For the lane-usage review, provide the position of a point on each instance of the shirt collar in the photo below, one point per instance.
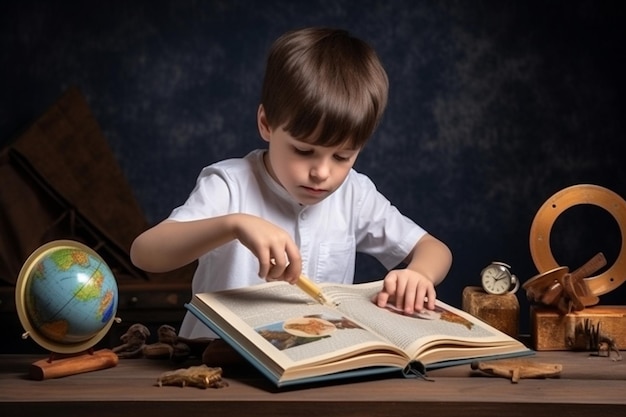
(272, 184)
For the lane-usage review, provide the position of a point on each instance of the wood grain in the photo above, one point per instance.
(550, 328)
(587, 386)
(500, 311)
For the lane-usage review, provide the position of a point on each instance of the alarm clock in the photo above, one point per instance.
(496, 278)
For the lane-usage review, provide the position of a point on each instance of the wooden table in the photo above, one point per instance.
(588, 386)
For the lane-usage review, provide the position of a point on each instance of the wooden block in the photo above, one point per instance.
(500, 311)
(71, 365)
(550, 329)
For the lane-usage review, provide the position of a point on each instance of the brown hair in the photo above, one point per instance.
(325, 87)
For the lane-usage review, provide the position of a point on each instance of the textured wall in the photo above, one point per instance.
(494, 105)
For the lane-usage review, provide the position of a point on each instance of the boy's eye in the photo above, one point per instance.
(303, 151)
(342, 158)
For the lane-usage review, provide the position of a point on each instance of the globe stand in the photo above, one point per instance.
(60, 365)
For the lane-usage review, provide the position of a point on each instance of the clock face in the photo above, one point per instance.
(496, 279)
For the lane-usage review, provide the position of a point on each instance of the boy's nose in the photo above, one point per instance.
(320, 171)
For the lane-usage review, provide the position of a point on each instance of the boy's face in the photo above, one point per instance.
(309, 173)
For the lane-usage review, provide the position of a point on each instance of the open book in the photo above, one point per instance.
(292, 339)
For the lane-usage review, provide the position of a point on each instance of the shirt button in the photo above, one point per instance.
(303, 216)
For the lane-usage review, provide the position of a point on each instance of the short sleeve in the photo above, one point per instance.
(210, 197)
(382, 231)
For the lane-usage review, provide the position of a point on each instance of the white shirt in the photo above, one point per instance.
(356, 217)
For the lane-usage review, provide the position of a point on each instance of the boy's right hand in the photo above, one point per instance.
(278, 255)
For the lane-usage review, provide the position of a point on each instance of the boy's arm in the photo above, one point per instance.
(172, 244)
(431, 258)
(426, 266)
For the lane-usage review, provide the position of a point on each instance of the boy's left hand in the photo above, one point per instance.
(408, 290)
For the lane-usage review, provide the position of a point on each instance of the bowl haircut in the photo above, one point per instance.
(324, 87)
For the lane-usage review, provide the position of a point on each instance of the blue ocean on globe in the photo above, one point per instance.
(71, 295)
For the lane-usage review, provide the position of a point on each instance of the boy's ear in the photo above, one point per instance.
(264, 128)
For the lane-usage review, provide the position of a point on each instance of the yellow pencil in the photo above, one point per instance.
(310, 288)
(313, 290)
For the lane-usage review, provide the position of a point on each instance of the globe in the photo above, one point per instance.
(66, 297)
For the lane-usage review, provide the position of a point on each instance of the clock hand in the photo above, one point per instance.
(500, 276)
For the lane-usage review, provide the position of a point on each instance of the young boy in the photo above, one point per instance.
(299, 207)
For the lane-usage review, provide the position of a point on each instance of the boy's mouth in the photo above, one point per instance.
(314, 191)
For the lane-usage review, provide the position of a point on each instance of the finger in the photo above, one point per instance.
(264, 265)
(419, 296)
(411, 291)
(281, 261)
(277, 267)
(294, 264)
(432, 296)
(389, 289)
(400, 293)
(292, 273)
(382, 298)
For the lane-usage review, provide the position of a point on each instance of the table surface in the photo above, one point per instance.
(587, 386)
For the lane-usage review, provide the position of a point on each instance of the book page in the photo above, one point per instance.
(416, 333)
(290, 327)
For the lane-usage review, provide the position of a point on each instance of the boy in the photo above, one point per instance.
(299, 207)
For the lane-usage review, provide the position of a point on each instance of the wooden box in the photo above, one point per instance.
(551, 329)
(499, 311)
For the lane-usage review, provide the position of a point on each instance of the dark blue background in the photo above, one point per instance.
(494, 105)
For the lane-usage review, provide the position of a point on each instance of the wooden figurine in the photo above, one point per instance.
(200, 376)
(517, 369)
